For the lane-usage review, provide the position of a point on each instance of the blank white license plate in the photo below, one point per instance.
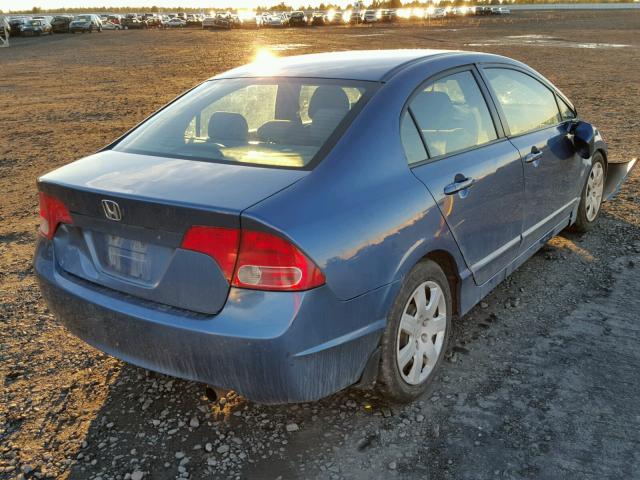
(128, 257)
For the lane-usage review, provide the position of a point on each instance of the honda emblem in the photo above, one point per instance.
(112, 210)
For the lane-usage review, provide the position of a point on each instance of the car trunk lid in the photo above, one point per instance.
(130, 214)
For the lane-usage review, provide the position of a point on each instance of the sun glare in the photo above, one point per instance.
(264, 62)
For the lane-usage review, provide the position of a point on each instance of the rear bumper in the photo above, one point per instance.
(272, 347)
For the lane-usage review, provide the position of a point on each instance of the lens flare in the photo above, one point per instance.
(264, 62)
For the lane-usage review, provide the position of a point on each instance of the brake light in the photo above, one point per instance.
(52, 213)
(268, 262)
(255, 260)
(219, 243)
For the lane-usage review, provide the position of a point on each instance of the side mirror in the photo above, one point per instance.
(582, 136)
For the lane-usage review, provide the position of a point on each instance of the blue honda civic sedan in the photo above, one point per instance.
(293, 227)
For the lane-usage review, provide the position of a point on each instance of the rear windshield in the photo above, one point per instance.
(279, 122)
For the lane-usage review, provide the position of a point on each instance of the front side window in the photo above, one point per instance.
(452, 115)
(566, 112)
(527, 104)
(275, 122)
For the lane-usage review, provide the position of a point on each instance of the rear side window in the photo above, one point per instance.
(411, 141)
(274, 122)
(452, 115)
(527, 104)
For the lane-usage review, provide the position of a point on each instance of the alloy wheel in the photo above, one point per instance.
(595, 187)
(421, 333)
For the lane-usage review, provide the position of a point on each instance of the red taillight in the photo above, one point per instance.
(268, 262)
(52, 213)
(219, 243)
(256, 260)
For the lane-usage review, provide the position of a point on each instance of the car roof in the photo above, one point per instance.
(366, 65)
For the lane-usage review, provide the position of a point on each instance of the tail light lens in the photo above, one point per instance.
(268, 262)
(255, 260)
(219, 243)
(52, 213)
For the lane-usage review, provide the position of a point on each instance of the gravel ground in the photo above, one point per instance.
(542, 381)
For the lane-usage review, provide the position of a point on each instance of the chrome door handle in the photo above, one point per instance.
(536, 154)
(458, 185)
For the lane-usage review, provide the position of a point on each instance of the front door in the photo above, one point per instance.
(539, 131)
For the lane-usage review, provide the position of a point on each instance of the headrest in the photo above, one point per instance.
(329, 97)
(433, 110)
(227, 127)
(280, 131)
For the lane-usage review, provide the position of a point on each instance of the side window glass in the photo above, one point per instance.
(411, 141)
(565, 110)
(527, 104)
(452, 115)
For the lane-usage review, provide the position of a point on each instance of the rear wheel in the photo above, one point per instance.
(591, 200)
(417, 334)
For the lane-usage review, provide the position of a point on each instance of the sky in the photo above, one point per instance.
(13, 5)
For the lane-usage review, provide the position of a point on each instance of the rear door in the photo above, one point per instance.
(472, 171)
(537, 128)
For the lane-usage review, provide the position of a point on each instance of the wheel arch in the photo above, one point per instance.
(448, 264)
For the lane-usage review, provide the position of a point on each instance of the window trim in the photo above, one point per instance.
(488, 99)
(545, 83)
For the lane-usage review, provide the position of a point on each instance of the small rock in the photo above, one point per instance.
(179, 455)
(393, 465)
(137, 475)
(223, 449)
(194, 422)
(208, 447)
(292, 427)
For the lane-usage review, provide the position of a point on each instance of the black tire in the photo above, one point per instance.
(390, 382)
(583, 224)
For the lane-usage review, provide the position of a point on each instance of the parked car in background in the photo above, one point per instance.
(46, 18)
(132, 21)
(370, 16)
(16, 23)
(249, 20)
(154, 21)
(319, 19)
(176, 23)
(35, 27)
(298, 19)
(60, 23)
(85, 23)
(386, 15)
(117, 19)
(335, 17)
(353, 17)
(277, 20)
(194, 20)
(111, 26)
(209, 22)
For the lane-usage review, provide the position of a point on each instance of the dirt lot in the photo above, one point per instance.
(542, 381)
